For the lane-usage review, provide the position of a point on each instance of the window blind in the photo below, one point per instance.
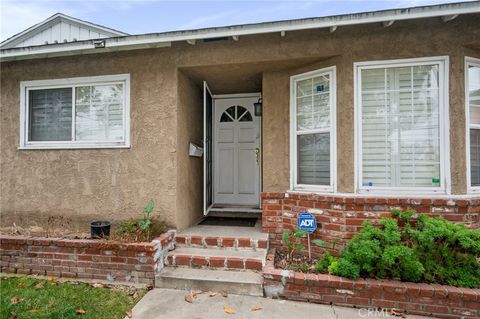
(313, 130)
(400, 126)
(50, 115)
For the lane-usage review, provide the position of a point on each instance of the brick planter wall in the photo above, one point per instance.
(84, 258)
(341, 217)
(421, 299)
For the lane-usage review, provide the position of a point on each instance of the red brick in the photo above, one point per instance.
(217, 262)
(182, 260)
(253, 264)
(244, 242)
(181, 239)
(199, 261)
(196, 240)
(236, 263)
(436, 309)
(211, 241)
(262, 244)
(228, 242)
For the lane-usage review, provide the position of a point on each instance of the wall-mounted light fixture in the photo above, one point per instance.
(98, 44)
(258, 107)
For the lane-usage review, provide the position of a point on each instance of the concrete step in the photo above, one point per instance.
(197, 257)
(232, 282)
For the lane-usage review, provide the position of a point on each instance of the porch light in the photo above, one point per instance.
(258, 107)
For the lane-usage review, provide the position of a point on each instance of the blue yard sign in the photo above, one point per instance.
(307, 221)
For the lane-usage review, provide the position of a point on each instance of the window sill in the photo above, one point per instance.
(71, 146)
(311, 189)
(402, 191)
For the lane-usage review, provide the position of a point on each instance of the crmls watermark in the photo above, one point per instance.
(377, 313)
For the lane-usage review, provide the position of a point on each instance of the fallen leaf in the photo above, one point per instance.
(129, 314)
(80, 311)
(269, 257)
(212, 293)
(396, 313)
(97, 285)
(228, 310)
(196, 292)
(224, 294)
(256, 308)
(189, 298)
(50, 278)
(39, 285)
(34, 310)
(15, 299)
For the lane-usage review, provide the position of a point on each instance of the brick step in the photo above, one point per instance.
(224, 242)
(216, 258)
(230, 281)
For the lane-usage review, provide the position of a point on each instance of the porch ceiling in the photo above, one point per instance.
(242, 77)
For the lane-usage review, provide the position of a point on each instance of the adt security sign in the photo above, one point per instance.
(307, 221)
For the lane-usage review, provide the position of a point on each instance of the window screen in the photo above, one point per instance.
(50, 115)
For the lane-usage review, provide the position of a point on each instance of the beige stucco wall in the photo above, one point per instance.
(82, 185)
(116, 183)
(189, 169)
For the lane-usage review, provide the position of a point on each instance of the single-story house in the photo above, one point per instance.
(346, 115)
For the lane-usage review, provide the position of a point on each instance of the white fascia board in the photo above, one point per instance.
(133, 42)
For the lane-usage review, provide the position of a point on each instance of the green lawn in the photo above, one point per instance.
(33, 298)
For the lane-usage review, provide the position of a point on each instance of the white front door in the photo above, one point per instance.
(237, 158)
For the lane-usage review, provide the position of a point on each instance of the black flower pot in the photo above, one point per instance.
(100, 229)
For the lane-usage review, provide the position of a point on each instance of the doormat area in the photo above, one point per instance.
(229, 221)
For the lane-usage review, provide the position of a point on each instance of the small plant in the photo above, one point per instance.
(145, 223)
(323, 264)
(293, 242)
(142, 229)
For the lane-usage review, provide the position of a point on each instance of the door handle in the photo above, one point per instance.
(257, 155)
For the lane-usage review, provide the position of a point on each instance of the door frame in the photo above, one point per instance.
(233, 208)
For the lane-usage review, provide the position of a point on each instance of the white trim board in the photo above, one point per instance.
(469, 61)
(445, 176)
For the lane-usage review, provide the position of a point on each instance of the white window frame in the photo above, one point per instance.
(294, 186)
(26, 86)
(469, 61)
(443, 69)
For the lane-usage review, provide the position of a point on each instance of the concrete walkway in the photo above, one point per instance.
(166, 303)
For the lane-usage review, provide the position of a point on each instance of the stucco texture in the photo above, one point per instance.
(165, 115)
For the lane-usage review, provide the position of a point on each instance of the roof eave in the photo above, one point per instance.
(164, 39)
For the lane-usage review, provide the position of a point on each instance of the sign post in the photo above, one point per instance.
(307, 222)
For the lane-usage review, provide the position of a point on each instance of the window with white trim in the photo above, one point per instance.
(88, 112)
(401, 137)
(472, 102)
(313, 130)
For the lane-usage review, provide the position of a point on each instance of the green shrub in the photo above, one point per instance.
(323, 264)
(428, 249)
